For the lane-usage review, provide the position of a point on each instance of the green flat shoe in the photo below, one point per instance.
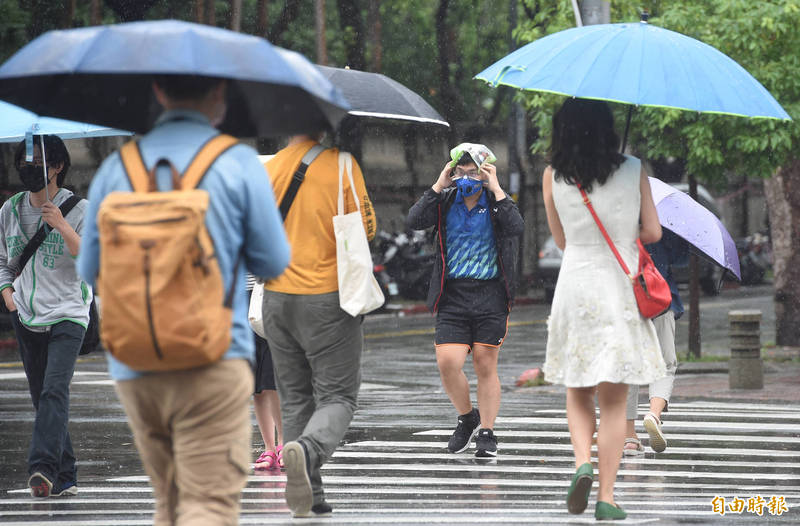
(578, 494)
(604, 511)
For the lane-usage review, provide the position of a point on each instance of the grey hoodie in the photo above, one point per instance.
(48, 290)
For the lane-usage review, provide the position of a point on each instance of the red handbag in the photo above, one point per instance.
(650, 288)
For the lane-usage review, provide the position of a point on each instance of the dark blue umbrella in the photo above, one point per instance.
(102, 75)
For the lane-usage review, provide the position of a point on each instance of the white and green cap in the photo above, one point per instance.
(479, 153)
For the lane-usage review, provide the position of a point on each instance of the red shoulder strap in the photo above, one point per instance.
(588, 204)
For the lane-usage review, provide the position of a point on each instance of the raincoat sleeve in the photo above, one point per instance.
(508, 218)
(424, 214)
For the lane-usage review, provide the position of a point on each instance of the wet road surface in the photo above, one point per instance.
(393, 467)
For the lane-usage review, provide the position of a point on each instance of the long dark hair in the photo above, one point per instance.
(584, 147)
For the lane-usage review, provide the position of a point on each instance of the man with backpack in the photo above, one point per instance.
(170, 261)
(41, 235)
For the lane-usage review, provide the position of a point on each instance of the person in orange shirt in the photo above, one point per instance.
(316, 346)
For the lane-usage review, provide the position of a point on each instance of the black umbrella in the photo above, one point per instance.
(376, 95)
(102, 75)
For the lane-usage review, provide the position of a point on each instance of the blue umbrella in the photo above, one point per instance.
(635, 63)
(16, 123)
(103, 74)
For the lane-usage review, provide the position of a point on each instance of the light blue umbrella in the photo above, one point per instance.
(635, 63)
(16, 123)
(103, 75)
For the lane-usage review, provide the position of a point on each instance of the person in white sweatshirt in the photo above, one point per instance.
(49, 305)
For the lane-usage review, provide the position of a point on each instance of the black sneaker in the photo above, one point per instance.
(467, 427)
(486, 444)
(323, 509)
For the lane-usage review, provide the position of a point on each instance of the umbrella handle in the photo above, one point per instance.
(44, 167)
(627, 127)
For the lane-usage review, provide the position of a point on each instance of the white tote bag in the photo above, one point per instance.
(359, 292)
(254, 313)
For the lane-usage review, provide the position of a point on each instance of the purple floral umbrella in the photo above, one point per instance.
(696, 224)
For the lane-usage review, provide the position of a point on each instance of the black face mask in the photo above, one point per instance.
(32, 177)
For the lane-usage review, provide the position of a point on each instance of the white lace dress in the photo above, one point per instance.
(595, 332)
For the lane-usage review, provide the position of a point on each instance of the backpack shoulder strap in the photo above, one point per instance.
(134, 166)
(204, 158)
(37, 239)
(297, 178)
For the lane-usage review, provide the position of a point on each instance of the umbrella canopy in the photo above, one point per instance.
(103, 75)
(376, 95)
(696, 224)
(635, 63)
(16, 123)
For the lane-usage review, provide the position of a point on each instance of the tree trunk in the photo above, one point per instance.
(375, 35)
(288, 13)
(694, 289)
(199, 11)
(783, 203)
(443, 47)
(69, 14)
(352, 32)
(236, 15)
(96, 13)
(262, 17)
(211, 13)
(319, 23)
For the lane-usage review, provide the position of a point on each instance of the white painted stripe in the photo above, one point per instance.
(503, 457)
(672, 414)
(478, 467)
(670, 436)
(21, 375)
(418, 445)
(734, 406)
(367, 386)
(671, 424)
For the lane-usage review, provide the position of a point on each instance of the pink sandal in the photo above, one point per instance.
(267, 460)
(279, 451)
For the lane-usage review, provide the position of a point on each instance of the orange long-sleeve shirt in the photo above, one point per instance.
(309, 223)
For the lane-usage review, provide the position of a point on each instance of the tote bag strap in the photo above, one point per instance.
(588, 203)
(346, 164)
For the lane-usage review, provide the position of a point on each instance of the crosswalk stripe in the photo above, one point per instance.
(672, 436)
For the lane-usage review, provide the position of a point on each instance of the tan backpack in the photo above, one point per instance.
(163, 304)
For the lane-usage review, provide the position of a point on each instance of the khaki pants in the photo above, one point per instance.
(661, 388)
(192, 430)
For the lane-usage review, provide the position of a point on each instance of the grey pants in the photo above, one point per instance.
(316, 351)
(661, 388)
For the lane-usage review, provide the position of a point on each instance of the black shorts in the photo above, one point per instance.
(262, 368)
(472, 311)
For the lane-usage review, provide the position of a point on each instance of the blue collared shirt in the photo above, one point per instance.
(471, 247)
(670, 250)
(242, 215)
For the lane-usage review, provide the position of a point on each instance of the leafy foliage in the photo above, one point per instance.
(761, 36)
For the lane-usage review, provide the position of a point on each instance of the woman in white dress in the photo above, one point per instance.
(597, 343)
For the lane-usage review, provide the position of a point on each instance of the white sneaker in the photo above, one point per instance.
(653, 427)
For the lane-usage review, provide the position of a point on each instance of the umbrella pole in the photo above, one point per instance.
(44, 167)
(627, 127)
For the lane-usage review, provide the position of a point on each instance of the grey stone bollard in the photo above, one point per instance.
(744, 368)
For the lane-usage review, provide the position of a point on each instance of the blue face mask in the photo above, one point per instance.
(468, 186)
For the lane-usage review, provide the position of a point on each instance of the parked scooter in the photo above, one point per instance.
(404, 262)
(755, 258)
